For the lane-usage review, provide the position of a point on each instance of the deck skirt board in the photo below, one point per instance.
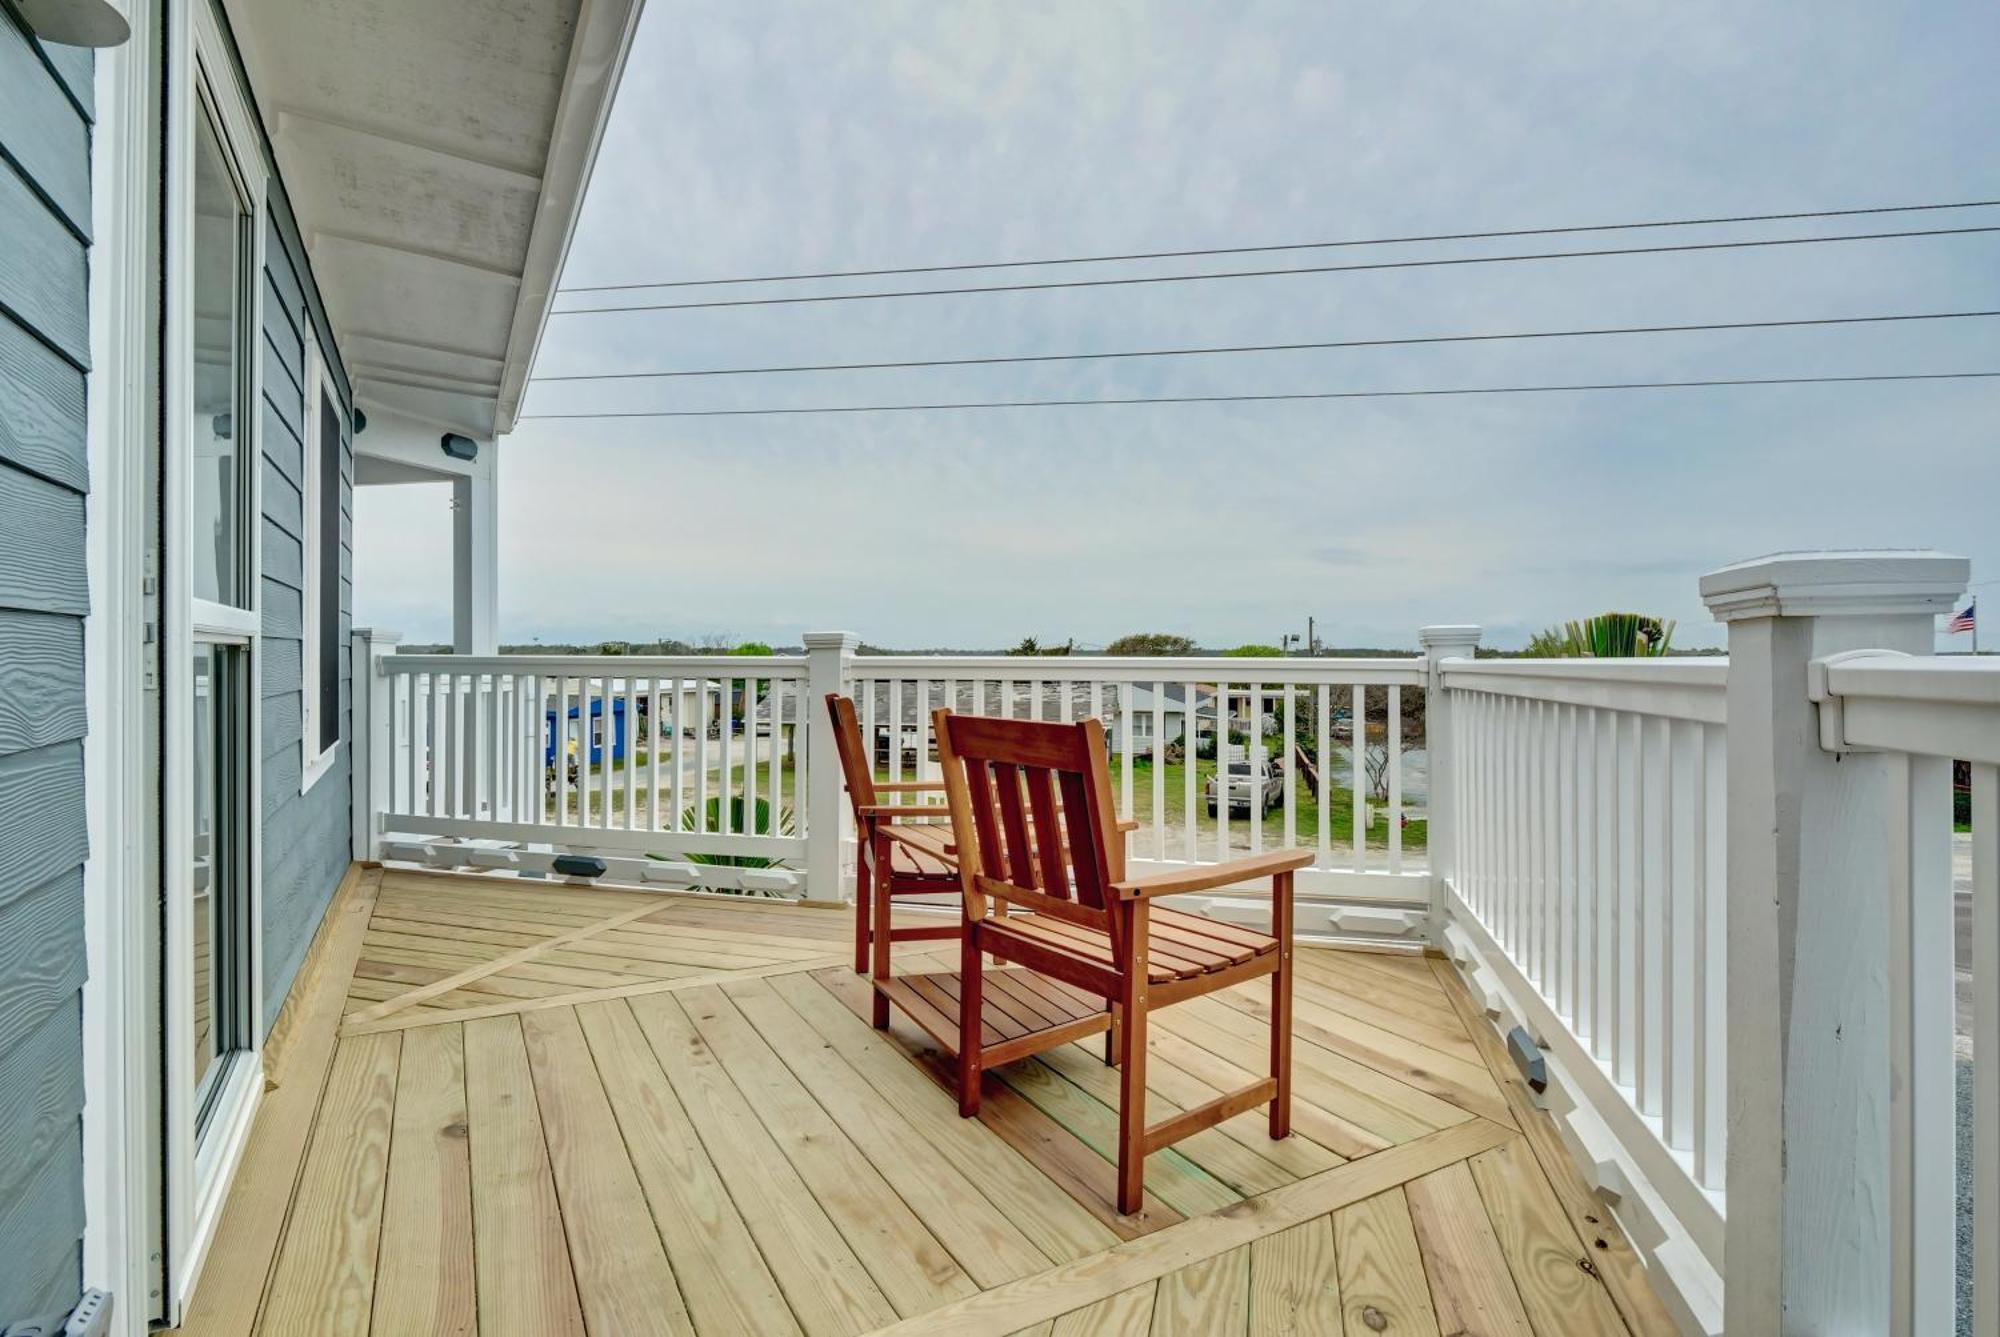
(517, 1130)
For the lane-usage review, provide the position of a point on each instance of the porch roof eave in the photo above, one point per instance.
(436, 158)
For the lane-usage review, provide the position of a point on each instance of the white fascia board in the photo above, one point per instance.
(597, 56)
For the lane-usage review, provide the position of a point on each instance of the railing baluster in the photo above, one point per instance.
(653, 730)
(1610, 882)
(1985, 1176)
(1322, 773)
(1288, 749)
(679, 690)
(701, 822)
(1359, 720)
(1224, 705)
(1159, 770)
(631, 760)
(1713, 851)
(1190, 758)
(1393, 733)
(1125, 712)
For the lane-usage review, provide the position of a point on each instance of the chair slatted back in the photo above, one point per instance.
(854, 764)
(1032, 815)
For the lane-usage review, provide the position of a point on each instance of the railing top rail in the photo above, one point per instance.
(598, 666)
(1368, 672)
(1878, 700)
(1680, 672)
(1684, 689)
(1961, 680)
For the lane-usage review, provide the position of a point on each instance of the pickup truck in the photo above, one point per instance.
(1248, 790)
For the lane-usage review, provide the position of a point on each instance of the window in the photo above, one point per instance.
(320, 654)
(221, 491)
(216, 955)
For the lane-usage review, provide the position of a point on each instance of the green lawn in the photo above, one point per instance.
(1340, 807)
(1339, 815)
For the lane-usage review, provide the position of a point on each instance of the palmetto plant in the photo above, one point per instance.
(1606, 636)
(746, 817)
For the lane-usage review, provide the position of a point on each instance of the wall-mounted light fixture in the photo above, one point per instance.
(360, 422)
(460, 447)
(75, 22)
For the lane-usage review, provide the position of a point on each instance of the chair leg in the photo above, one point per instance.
(1111, 1038)
(863, 907)
(971, 1000)
(1132, 1110)
(880, 939)
(1281, 1011)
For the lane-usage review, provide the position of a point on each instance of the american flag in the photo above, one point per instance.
(1962, 622)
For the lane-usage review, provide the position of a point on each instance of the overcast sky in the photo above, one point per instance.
(754, 138)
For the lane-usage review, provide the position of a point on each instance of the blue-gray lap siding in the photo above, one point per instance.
(45, 113)
(307, 837)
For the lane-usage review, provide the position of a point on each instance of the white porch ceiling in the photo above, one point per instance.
(436, 152)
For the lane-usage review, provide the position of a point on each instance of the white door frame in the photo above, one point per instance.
(204, 81)
(120, 1176)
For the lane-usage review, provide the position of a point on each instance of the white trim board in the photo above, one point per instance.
(120, 1183)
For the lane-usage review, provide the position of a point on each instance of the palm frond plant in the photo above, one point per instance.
(751, 817)
(1605, 636)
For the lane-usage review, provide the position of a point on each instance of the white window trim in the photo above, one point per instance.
(312, 766)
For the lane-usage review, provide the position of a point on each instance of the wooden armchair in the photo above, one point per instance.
(898, 851)
(1041, 865)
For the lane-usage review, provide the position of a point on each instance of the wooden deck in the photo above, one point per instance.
(503, 1107)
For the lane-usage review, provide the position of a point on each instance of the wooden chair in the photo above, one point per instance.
(898, 851)
(1041, 865)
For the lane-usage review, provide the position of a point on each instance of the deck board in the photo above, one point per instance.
(536, 1108)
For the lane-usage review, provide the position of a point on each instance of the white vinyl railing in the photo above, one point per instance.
(1924, 714)
(1587, 892)
(1334, 762)
(663, 764)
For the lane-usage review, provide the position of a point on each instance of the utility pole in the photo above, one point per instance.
(1312, 640)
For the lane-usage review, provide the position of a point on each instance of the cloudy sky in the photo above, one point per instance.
(761, 138)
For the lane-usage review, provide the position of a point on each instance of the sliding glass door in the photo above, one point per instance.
(209, 1077)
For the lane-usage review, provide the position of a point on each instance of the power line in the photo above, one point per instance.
(1272, 398)
(1267, 348)
(1268, 273)
(1284, 246)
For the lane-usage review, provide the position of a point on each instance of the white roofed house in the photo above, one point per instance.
(329, 1003)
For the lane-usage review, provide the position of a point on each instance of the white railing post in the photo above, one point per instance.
(1812, 967)
(827, 657)
(1440, 750)
(371, 747)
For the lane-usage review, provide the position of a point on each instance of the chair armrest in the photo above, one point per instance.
(894, 810)
(1208, 877)
(910, 786)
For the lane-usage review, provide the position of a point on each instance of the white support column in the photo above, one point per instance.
(371, 746)
(475, 558)
(827, 656)
(1810, 969)
(1441, 643)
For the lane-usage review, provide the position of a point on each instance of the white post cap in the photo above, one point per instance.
(1860, 582)
(1460, 638)
(830, 640)
(376, 637)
